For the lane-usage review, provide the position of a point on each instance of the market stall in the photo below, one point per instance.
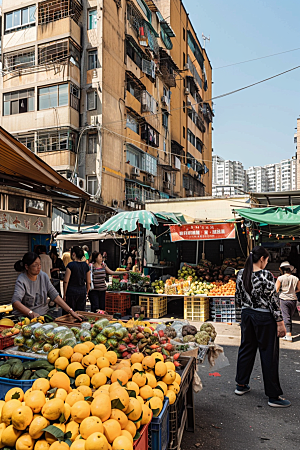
(99, 383)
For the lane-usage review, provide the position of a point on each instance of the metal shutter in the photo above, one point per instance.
(12, 248)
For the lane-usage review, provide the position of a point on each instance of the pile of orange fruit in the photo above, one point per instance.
(224, 289)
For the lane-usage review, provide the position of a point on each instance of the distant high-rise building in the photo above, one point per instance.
(228, 177)
(277, 177)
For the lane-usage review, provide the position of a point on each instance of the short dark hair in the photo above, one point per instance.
(95, 256)
(28, 259)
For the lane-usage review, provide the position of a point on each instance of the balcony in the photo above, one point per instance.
(63, 160)
(62, 27)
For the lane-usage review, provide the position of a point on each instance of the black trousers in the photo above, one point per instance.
(97, 299)
(259, 331)
(76, 301)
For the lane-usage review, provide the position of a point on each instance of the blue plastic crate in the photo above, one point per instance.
(6, 383)
(158, 432)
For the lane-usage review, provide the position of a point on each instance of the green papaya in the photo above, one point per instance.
(12, 361)
(41, 373)
(26, 375)
(38, 364)
(17, 370)
(5, 371)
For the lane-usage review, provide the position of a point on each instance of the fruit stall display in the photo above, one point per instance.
(90, 400)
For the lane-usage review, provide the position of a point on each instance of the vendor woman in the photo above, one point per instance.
(32, 289)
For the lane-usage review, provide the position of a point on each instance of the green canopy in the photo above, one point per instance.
(128, 221)
(287, 216)
(171, 217)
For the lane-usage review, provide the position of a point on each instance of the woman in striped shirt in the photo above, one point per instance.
(98, 274)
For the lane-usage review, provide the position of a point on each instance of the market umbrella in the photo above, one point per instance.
(129, 221)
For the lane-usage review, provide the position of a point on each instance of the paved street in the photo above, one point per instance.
(224, 420)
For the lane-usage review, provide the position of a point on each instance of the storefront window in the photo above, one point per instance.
(35, 206)
(15, 203)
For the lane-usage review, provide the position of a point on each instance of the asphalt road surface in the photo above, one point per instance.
(229, 422)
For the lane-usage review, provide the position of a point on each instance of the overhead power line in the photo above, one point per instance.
(256, 59)
(212, 98)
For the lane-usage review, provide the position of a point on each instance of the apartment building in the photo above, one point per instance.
(228, 178)
(273, 177)
(113, 94)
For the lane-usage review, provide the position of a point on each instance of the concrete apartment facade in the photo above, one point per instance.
(228, 177)
(94, 88)
(273, 177)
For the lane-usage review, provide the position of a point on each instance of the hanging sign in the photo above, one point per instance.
(202, 232)
(24, 223)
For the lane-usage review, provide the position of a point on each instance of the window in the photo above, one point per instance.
(195, 49)
(141, 160)
(92, 184)
(20, 18)
(199, 145)
(183, 34)
(28, 141)
(183, 106)
(165, 120)
(183, 132)
(18, 102)
(74, 96)
(183, 59)
(56, 141)
(132, 123)
(15, 203)
(60, 50)
(92, 59)
(150, 135)
(191, 137)
(19, 60)
(134, 54)
(134, 87)
(35, 206)
(51, 11)
(92, 19)
(91, 98)
(53, 96)
(92, 143)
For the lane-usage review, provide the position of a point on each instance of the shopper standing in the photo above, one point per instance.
(57, 267)
(99, 270)
(66, 257)
(261, 326)
(45, 260)
(287, 285)
(77, 281)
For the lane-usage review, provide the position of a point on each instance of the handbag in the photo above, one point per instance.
(92, 278)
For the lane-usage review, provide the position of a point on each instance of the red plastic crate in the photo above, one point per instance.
(6, 342)
(117, 303)
(142, 442)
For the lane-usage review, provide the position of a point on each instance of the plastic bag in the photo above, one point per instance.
(100, 324)
(121, 333)
(28, 330)
(45, 332)
(85, 335)
(216, 357)
(62, 334)
(86, 326)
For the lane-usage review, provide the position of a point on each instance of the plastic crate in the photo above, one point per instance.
(196, 309)
(6, 383)
(6, 342)
(182, 413)
(158, 434)
(142, 442)
(117, 303)
(155, 307)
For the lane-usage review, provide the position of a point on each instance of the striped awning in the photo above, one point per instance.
(129, 221)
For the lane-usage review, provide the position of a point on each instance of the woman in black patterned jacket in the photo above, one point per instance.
(261, 326)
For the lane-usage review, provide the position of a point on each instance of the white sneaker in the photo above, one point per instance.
(287, 338)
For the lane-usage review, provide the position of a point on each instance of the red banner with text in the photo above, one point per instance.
(202, 232)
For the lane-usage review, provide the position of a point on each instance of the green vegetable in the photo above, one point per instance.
(101, 339)
(5, 371)
(42, 373)
(100, 324)
(38, 364)
(17, 370)
(26, 375)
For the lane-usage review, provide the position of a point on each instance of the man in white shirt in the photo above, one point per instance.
(46, 261)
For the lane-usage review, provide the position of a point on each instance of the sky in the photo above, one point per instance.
(255, 126)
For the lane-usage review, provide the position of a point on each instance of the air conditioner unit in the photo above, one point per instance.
(81, 183)
(165, 100)
(150, 178)
(135, 172)
(186, 66)
(95, 120)
(114, 203)
(186, 91)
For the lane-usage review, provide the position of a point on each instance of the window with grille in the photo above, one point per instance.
(19, 60)
(92, 184)
(91, 97)
(165, 120)
(56, 141)
(18, 102)
(74, 96)
(92, 59)
(92, 143)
